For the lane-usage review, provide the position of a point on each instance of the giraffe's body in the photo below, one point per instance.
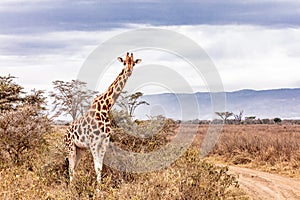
(92, 130)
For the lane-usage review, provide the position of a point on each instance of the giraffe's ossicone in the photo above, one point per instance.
(92, 130)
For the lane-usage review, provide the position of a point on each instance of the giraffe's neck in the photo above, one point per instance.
(114, 90)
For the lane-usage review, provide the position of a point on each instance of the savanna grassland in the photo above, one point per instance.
(271, 148)
(33, 165)
(42, 174)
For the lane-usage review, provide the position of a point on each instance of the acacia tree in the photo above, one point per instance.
(13, 97)
(224, 115)
(122, 114)
(129, 102)
(10, 93)
(71, 98)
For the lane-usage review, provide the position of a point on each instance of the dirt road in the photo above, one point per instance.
(262, 185)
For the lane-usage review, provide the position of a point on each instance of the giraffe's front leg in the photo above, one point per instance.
(98, 155)
(72, 155)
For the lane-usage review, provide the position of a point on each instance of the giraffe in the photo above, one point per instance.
(92, 130)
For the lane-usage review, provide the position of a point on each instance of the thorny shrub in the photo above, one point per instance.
(22, 134)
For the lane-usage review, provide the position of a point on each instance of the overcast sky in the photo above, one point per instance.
(253, 44)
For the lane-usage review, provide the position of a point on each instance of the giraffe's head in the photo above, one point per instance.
(129, 61)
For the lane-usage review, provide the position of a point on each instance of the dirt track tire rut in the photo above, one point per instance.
(261, 185)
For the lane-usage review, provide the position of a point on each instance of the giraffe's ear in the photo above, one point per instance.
(120, 59)
(137, 61)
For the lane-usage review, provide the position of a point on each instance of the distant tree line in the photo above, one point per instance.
(237, 118)
(232, 121)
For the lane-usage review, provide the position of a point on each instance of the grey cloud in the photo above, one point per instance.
(98, 15)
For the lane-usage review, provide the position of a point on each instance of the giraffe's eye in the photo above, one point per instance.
(133, 64)
(124, 63)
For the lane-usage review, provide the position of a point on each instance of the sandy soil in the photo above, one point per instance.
(262, 185)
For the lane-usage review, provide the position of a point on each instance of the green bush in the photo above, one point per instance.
(277, 120)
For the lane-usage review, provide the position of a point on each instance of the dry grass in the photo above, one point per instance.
(273, 148)
(44, 177)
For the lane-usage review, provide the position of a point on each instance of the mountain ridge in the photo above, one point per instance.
(282, 102)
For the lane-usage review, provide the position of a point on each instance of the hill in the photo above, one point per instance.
(283, 103)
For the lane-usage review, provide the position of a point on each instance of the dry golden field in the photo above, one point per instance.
(272, 148)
